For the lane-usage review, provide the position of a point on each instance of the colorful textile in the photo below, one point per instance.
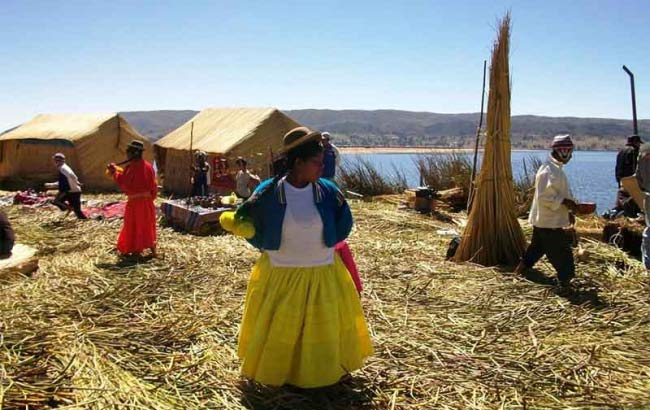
(302, 326)
(345, 254)
(138, 182)
(30, 198)
(177, 213)
(108, 211)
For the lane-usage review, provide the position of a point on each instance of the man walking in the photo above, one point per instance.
(550, 213)
(69, 196)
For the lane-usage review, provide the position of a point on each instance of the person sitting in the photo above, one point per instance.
(7, 237)
(245, 181)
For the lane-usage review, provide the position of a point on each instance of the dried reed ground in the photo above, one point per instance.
(91, 331)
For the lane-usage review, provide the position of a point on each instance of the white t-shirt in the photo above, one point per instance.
(302, 232)
(242, 179)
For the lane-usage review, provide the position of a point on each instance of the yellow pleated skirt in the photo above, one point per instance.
(302, 326)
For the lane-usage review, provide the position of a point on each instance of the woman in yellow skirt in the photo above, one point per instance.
(303, 323)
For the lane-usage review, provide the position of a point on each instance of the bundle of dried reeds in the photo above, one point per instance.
(493, 235)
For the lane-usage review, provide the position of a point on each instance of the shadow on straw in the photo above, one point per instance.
(351, 393)
(584, 294)
(125, 262)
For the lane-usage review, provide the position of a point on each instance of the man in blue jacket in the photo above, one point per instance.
(331, 157)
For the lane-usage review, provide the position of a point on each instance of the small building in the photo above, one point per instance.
(224, 134)
(89, 142)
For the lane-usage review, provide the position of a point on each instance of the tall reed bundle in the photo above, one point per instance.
(493, 235)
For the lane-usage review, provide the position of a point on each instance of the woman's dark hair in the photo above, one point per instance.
(304, 151)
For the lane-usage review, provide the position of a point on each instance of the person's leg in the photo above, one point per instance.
(58, 201)
(560, 254)
(533, 253)
(75, 201)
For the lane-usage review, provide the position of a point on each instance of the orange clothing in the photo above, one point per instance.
(138, 182)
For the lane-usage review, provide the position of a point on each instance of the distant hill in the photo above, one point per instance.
(157, 124)
(394, 127)
(407, 128)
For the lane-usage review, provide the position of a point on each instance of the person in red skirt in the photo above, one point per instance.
(138, 181)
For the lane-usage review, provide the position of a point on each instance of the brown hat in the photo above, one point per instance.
(299, 136)
(135, 144)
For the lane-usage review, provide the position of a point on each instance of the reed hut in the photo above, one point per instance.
(89, 142)
(224, 134)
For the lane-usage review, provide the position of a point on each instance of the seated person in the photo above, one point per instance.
(6, 237)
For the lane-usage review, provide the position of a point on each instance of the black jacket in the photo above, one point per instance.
(6, 235)
(626, 161)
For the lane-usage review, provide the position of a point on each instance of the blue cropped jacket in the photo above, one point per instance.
(268, 214)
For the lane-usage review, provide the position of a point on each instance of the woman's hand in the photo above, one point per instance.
(111, 168)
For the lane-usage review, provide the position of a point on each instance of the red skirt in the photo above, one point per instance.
(139, 230)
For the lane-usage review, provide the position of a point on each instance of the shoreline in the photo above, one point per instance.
(401, 150)
(426, 150)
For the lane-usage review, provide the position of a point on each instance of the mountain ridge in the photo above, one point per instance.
(389, 127)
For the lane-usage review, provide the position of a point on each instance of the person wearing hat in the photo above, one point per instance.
(69, 196)
(331, 157)
(7, 236)
(550, 213)
(626, 164)
(201, 177)
(138, 181)
(303, 323)
(643, 178)
(244, 179)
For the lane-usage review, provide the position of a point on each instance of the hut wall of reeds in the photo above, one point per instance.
(89, 142)
(225, 133)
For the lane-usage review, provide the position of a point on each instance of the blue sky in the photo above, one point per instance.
(96, 56)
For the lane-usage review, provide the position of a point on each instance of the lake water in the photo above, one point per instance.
(590, 173)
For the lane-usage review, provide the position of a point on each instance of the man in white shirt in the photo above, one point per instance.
(550, 213)
(245, 181)
(69, 196)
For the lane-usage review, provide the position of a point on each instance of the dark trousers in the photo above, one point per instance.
(65, 200)
(6, 245)
(200, 187)
(556, 245)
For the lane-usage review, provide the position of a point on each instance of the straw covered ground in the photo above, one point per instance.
(92, 331)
